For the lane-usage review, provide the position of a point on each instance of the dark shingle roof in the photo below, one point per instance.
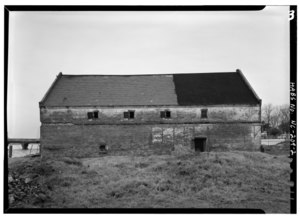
(213, 88)
(139, 90)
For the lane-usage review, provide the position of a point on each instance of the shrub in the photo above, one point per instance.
(73, 161)
(274, 131)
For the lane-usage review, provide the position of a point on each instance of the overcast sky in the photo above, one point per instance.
(42, 44)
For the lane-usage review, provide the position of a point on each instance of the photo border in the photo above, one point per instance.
(293, 106)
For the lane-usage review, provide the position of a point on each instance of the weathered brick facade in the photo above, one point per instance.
(170, 116)
(68, 131)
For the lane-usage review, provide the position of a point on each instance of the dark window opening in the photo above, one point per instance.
(165, 114)
(203, 113)
(103, 148)
(200, 144)
(93, 115)
(129, 114)
(90, 115)
(168, 114)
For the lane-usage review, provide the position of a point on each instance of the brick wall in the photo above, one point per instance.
(83, 140)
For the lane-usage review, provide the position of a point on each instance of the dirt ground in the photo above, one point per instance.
(207, 180)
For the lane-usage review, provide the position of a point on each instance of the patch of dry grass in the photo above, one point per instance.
(205, 180)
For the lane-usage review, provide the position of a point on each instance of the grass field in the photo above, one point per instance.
(206, 180)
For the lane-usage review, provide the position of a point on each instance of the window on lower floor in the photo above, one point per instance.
(103, 148)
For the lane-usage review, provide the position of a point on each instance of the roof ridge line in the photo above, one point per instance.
(126, 75)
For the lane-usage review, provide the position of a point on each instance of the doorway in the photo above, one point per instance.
(200, 144)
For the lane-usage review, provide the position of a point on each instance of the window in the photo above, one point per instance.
(165, 114)
(203, 113)
(93, 115)
(103, 148)
(129, 114)
(90, 115)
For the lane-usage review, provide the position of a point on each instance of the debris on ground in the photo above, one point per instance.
(20, 189)
(24, 184)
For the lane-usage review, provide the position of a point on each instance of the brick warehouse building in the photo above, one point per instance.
(149, 114)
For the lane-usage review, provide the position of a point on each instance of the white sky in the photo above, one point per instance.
(42, 44)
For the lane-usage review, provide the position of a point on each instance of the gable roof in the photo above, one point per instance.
(150, 90)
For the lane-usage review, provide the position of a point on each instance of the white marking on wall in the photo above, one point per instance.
(157, 135)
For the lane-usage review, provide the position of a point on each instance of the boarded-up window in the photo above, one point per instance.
(129, 114)
(162, 114)
(203, 113)
(93, 115)
(90, 115)
(126, 114)
(165, 114)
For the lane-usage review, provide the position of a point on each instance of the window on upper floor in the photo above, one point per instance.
(129, 114)
(93, 115)
(203, 113)
(165, 114)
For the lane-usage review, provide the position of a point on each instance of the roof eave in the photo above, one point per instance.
(41, 103)
(248, 85)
